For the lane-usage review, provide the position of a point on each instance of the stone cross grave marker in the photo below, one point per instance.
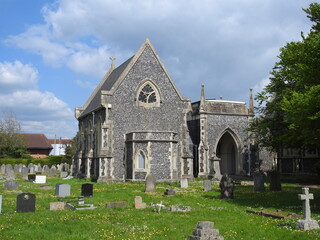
(184, 182)
(207, 185)
(87, 190)
(150, 183)
(26, 202)
(62, 190)
(11, 185)
(306, 223)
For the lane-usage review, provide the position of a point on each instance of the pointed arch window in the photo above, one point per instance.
(142, 160)
(148, 95)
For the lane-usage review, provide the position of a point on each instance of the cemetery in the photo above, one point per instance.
(72, 208)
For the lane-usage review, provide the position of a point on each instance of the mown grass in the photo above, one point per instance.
(229, 216)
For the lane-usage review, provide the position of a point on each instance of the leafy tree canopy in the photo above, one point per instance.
(290, 103)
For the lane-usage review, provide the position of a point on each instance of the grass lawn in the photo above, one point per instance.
(229, 216)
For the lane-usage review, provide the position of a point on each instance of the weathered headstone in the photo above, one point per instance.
(87, 190)
(207, 185)
(169, 192)
(54, 206)
(10, 174)
(16, 168)
(258, 179)
(8, 167)
(275, 183)
(120, 204)
(0, 203)
(150, 183)
(306, 223)
(63, 174)
(40, 179)
(205, 231)
(138, 204)
(62, 190)
(184, 182)
(31, 170)
(26, 202)
(45, 169)
(11, 185)
(31, 177)
(66, 167)
(3, 169)
(226, 186)
(52, 171)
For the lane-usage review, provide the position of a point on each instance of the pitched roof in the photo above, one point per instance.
(36, 141)
(114, 77)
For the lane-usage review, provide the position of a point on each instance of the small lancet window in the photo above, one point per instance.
(141, 160)
(147, 94)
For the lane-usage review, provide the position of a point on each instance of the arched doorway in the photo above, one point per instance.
(227, 152)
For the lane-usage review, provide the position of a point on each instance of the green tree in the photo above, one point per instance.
(290, 103)
(12, 144)
(69, 152)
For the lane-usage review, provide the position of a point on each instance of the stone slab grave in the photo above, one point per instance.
(258, 179)
(175, 208)
(120, 204)
(26, 202)
(274, 214)
(45, 187)
(11, 185)
(226, 187)
(81, 205)
(41, 179)
(184, 182)
(307, 223)
(205, 231)
(62, 190)
(169, 192)
(0, 204)
(150, 183)
(138, 204)
(54, 206)
(207, 185)
(31, 177)
(87, 190)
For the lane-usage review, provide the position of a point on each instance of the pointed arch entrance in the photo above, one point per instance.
(227, 151)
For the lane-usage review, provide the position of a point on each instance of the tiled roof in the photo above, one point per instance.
(36, 141)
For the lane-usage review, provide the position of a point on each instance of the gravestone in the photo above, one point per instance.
(54, 206)
(11, 185)
(275, 183)
(66, 167)
(39, 169)
(184, 183)
(10, 175)
(16, 168)
(62, 190)
(258, 179)
(31, 177)
(40, 179)
(87, 190)
(3, 169)
(0, 203)
(30, 165)
(8, 168)
(45, 169)
(150, 183)
(120, 204)
(26, 202)
(169, 192)
(226, 186)
(52, 171)
(63, 174)
(307, 223)
(205, 231)
(207, 185)
(138, 204)
(31, 170)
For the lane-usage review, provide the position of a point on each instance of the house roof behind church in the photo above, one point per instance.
(36, 141)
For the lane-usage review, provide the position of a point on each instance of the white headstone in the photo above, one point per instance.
(183, 182)
(306, 223)
(40, 179)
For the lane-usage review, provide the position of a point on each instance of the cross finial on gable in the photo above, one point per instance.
(112, 58)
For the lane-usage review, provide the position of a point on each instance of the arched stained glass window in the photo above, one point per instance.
(147, 94)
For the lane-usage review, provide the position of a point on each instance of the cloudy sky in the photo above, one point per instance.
(53, 53)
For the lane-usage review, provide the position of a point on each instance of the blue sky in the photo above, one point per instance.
(53, 53)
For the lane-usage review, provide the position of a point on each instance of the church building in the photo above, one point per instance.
(136, 122)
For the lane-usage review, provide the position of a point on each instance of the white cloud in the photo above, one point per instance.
(261, 84)
(16, 75)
